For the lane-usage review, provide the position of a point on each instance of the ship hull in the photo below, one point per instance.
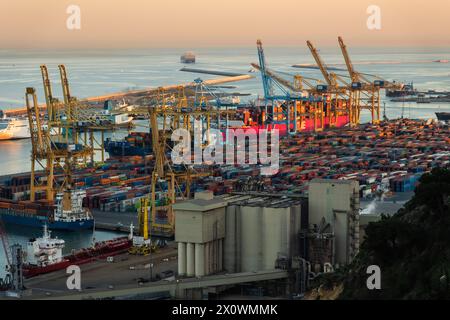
(119, 149)
(307, 125)
(123, 148)
(443, 116)
(14, 129)
(102, 251)
(135, 144)
(39, 222)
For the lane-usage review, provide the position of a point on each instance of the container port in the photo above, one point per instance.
(200, 229)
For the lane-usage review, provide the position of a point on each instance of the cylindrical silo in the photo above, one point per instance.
(181, 258)
(213, 250)
(294, 247)
(229, 250)
(220, 255)
(272, 236)
(251, 242)
(190, 259)
(286, 231)
(207, 257)
(199, 260)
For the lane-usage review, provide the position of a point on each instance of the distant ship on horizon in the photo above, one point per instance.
(188, 57)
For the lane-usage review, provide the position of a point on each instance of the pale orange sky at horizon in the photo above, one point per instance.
(199, 23)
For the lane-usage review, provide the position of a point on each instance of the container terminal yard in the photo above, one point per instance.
(211, 231)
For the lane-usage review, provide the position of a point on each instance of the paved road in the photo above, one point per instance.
(126, 270)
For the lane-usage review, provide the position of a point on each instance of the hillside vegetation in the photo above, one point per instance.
(412, 248)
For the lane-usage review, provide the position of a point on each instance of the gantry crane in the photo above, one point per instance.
(331, 78)
(81, 117)
(48, 155)
(72, 118)
(336, 94)
(176, 110)
(320, 103)
(53, 104)
(296, 86)
(303, 108)
(42, 157)
(365, 94)
(289, 106)
(167, 179)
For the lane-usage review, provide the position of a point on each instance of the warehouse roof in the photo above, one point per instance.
(200, 204)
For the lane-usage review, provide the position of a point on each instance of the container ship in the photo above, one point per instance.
(139, 143)
(443, 116)
(44, 254)
(407, 90)
(255, 118)
(67, 213)
(135, 144)
(188, 57)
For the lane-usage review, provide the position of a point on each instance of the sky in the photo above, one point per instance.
(208, 23)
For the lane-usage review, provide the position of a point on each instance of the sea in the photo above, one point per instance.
(98, 72)
(94, 72)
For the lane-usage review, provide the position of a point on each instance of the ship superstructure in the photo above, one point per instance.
(67, 213)
(45, 250)
(14, 128)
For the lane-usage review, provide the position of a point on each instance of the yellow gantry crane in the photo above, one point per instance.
(334, 93)
(48, 155)
(169, 109)
(53, 104)
(166, 183)
(73, 118)
(365, 94)
(55, 140)
(331, 78)
(42, 156)
(80, 115)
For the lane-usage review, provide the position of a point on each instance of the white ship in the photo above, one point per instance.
(44, 251)
(120, 119)
(115, 116)
(69, 208)
(17, 128)
(14, 128)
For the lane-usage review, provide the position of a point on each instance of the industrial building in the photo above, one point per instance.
(334, 204)
(253, 232)
(259, 231)
(235, 233)
(200, 225)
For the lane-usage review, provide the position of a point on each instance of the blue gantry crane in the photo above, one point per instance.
(285, 94)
